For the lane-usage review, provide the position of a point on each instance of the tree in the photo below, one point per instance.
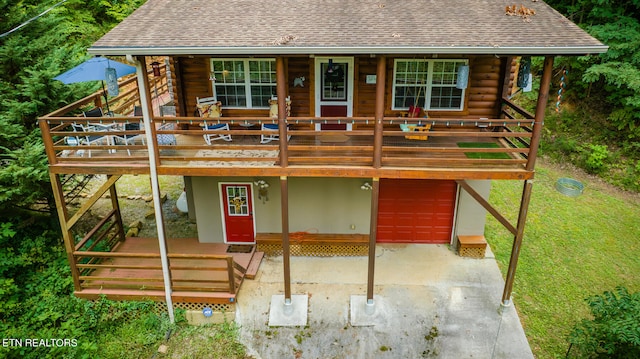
(614, 331)
(612, 78)
(30, 58)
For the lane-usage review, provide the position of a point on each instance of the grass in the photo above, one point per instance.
(483, 155)
(573, 247)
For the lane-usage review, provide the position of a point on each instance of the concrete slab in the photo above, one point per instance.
(364, 314)
(436, 305)
(290, 314)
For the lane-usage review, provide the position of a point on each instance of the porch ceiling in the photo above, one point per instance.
(269, 27)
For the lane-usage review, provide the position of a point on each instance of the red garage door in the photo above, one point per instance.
(416, 211)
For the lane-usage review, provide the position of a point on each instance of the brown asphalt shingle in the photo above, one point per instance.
(274, 26)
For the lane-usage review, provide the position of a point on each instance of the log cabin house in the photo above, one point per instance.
(397, 116)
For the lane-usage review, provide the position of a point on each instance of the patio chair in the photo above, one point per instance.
(83, 139)
(131, 139)
(273, 113)
(210, 137)
(96, 112)
(209, 107)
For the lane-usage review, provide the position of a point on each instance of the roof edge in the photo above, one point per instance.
(323, 50)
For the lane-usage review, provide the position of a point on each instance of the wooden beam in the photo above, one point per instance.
(472, 192)
(286, 250)
(517, 242)
(543, 98)
(111, 180)
(373, 231)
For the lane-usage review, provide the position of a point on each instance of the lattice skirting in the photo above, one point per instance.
(216, 307)
(316, 250)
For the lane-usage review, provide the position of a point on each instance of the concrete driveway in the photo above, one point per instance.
(429, 303)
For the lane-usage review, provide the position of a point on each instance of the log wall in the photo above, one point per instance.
(482, 97)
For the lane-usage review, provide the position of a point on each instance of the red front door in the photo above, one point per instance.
(238, 213)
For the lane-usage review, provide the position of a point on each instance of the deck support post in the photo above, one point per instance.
(373, 230)
(143, 84)
(281, 92)
(517, 242)
(379, 112)
(286, 253)
(543, 98)
(115, 204)
(67, 236)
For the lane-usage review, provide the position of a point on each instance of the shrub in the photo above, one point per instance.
(614, 331)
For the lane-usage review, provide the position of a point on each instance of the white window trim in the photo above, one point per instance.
(427, 94)
(247, 83)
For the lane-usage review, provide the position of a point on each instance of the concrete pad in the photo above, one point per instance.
(436, 305)
(365, 314)
(288, 315)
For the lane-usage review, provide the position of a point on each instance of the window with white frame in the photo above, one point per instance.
(430, 84)
(244, 83)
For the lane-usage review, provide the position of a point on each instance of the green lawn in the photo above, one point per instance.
(572, 248)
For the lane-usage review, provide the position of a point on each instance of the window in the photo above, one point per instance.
(244, 83)
(430, 84)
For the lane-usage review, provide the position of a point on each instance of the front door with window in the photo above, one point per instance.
(334, 86)
(237, 209)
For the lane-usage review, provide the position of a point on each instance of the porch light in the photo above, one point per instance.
(463, 77)
(156, 68)
(330, 67)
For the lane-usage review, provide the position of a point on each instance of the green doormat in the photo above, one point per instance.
(483, 155)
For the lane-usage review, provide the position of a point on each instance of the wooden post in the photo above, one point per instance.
(115, 204)
(543, 98)
(373, 231)
(379, 113)
(281, 91)
(45, 130)
(231, 274)
(286, 253)
(67, 236)
(517, 242)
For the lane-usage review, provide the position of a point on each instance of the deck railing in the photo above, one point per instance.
(143, 271)
(436, 142)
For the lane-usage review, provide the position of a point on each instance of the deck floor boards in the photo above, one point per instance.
(207, 278)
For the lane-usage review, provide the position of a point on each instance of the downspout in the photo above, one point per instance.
(143, 90)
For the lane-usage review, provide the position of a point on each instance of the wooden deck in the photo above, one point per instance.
(199, 271)
(349, 153)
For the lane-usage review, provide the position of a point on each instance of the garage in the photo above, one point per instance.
(416, 211)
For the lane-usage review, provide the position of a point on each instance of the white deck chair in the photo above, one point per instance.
(209, 107)
(273, 113)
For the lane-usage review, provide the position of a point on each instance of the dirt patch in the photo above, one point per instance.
(135, 201)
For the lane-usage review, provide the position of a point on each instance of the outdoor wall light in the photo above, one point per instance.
(366, 186)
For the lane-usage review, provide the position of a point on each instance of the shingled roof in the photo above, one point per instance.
(245, 27)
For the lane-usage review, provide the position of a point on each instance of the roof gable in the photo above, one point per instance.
(167, 27)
